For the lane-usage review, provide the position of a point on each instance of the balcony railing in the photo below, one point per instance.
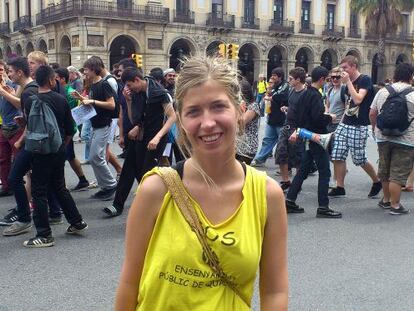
(184, 17)
(102, 9)
(306, 27)
(335, 31)
(354, 32)
(4, 29)
(23, 24)
(402, 36)
(250, 23)
(284, 26)
(215, 20)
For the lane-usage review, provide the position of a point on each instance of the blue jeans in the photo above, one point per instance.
(320, 156)
(271, 136)
(86, 135)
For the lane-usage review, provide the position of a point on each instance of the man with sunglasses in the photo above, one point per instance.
(335, 101)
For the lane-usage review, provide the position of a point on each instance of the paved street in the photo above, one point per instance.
(361, 262)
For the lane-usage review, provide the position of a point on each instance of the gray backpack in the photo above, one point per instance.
(42, 132)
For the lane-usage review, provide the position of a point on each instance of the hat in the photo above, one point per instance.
(169, 70)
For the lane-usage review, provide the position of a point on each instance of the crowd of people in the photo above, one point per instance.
(37, 180)
(205, 120)
(343, 102)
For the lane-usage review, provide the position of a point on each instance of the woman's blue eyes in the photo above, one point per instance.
(216, 107)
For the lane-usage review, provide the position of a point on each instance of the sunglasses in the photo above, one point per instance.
(335, 77)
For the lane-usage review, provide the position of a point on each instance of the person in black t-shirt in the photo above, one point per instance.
(276, 117)
(48, 170)
(20, 74)
(289, 154)
(352, 133)
(310, 114)
(148, 104)
(101, 97)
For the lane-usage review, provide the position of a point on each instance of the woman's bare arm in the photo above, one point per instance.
(140, 224)
(273, 265)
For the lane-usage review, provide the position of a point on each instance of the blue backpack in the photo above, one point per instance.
(42, 132)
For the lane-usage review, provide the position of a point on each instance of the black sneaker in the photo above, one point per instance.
(112, 211)
(293, 208)
(375, 189)
(39, 241)
(81, 186)
(326, 212)
(384, 205)
(77, 228)
(338, 192)
(399, 211)
(105, 194)
(10, 218)
(285, 185)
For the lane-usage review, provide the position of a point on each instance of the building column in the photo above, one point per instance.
(290, 64)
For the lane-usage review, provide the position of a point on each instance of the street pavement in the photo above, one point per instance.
(363, 261)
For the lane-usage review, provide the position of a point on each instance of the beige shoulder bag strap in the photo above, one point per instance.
(176, 188)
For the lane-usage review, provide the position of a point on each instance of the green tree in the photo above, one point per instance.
(382, 18)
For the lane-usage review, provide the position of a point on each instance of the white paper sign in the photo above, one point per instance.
(82, 113)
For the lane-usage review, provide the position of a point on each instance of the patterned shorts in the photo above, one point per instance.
(350, 138)
(287, 152)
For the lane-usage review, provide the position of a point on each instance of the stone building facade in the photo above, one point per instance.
(270, 33)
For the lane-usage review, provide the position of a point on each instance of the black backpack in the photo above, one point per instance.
(392, 119)
(117, 99)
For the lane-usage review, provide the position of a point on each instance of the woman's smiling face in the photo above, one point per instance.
(209, 119)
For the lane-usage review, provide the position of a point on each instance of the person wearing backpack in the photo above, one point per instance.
(19, 218)
(352, 132)
(392, 115)
(47, 134)
(148, 105)
(102, 98)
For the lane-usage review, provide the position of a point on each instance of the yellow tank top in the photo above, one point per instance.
(174, 275)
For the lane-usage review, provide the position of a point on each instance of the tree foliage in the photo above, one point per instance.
(382, 16)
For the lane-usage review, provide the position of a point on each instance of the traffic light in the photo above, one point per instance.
(222, 50)
(413, 51)
(233, 51)
(138, 59)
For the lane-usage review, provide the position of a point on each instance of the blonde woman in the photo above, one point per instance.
(241, 210)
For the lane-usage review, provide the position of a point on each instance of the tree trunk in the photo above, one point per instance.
(381, 50)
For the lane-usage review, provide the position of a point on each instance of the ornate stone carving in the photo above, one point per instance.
(201, 40)
(75, 41)
(96, 40)
(263, 45)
